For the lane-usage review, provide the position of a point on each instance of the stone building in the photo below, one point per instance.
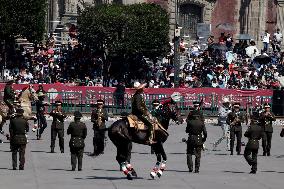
(251, 17)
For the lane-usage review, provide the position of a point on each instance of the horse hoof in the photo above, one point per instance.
(129, 177)
(133, 173)
(159, 173)
(153, 175)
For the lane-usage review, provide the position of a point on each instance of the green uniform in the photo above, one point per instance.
(99, 117)
(254, 134)
(9, 96)
(235, 120)
(197, 135)
(18, 128)
(78, 132)
(266, 124)
(57, 128)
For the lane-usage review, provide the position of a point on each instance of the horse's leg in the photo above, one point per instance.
(122, 156)
(128, 165)
(163, 165)
(157, 151)
(3, 121)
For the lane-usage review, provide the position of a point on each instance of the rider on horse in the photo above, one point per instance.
(9, 96)
(140, 110)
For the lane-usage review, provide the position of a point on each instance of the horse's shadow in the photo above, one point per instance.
(110, 170)
(105, 178)
(236, 172)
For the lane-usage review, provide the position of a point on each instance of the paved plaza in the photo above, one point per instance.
(44, 170)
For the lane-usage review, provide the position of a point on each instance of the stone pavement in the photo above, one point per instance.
(44, 170)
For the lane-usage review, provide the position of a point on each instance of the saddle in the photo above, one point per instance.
(134, 122)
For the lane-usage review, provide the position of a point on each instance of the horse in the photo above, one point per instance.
(122, 136)
(26, 96)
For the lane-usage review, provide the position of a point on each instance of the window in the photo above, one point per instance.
(190, 15)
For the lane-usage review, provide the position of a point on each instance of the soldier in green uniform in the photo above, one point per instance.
(235, 120)
(140, 110)
(99, 117)
(9, 96)
(155, 106)
(78, 132)
(57, 126)
(254, 134)
(266, 119)
(197, 135)
(18, 140)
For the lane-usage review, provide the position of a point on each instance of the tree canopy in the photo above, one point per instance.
(125, 29)
(22, 17)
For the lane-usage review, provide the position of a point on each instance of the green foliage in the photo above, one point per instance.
(125, 30)
(22, 17)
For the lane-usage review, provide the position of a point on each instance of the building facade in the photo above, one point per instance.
(251, 17)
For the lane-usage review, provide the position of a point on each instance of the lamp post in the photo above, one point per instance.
(176, 46)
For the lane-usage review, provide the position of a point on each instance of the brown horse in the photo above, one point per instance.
(122, 136)
(26, 96)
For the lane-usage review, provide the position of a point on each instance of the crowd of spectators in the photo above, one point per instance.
(226, 63)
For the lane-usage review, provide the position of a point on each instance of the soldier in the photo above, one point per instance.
(224, 111)
(9, 96)
(18, 128)
(235, 120)
(197, 135)
(155, 107)
(266, 119)
(99, 117)
(57, 126)
(78, 132)
(254, 134)
(140, 110)
(40, 110)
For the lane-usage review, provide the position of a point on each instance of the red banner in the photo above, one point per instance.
(210, 95)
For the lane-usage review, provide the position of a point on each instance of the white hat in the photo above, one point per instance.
(225, 100)
(138, 85)
(176, 96)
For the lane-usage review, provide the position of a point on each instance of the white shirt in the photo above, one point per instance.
(278, 36)
(265, 38)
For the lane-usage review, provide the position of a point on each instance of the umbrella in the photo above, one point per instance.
(244, 37)
(218, 46)
(262, 59)
(226, 26)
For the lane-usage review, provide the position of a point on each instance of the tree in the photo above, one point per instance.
(125, 30)
(125, 33)
(24, 18)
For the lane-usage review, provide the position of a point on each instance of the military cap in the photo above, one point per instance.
(196, 103)
(266, 105)
(58, 103)
(20, 111)
(155, 102)
(100, 101)
(77, 114)
(237, 104)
